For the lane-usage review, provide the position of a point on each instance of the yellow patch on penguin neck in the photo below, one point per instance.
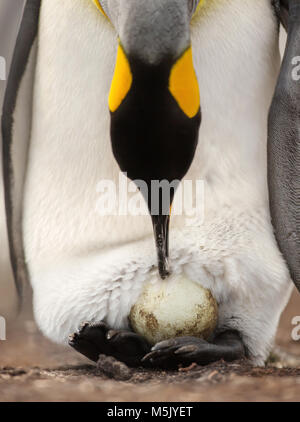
(200, 4)
(98, 5)
(183, 84)
(121, 82)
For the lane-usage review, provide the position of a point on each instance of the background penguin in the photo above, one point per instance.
(10, 16)
(58, 144)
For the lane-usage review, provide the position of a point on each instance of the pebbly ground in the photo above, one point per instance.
(34, 369)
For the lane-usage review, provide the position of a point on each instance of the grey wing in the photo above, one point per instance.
(284, 145)
(16, 127)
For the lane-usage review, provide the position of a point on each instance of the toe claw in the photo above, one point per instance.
(83, 325)
(72, 337)
(158, 354)
(164, 344)
(186, 349)
(110, 334)
(147, 357)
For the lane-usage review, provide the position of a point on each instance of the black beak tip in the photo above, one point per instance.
(163, 269)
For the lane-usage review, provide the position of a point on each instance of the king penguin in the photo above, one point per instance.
(107, 86)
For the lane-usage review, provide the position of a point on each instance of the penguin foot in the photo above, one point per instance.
(186, 350)
(93, 339)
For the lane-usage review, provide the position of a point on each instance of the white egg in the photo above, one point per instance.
(173, 308)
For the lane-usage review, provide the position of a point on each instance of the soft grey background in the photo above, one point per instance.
(10, 15)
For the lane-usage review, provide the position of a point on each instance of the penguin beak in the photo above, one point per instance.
(161, 232)
(155, 119)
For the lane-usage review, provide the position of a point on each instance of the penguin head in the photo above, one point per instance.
(154, 99)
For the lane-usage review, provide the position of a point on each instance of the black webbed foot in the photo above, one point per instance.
(93, 339)
(186, 350)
